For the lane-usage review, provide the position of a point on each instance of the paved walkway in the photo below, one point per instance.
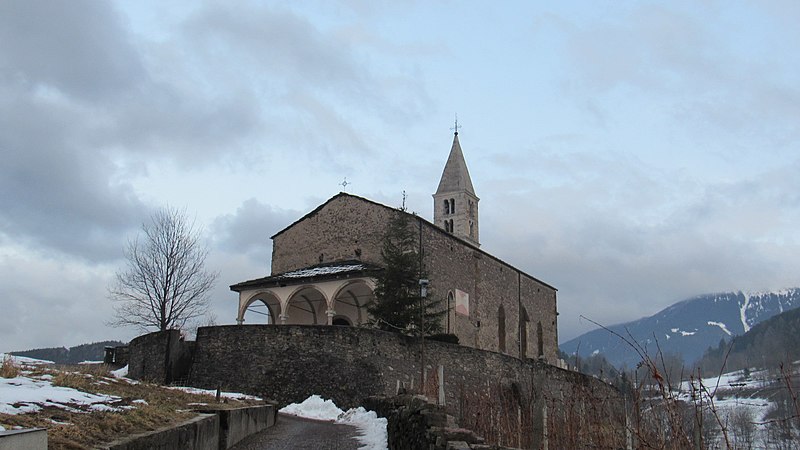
(292, 432)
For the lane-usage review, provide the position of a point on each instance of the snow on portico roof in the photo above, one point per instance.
(342, 269)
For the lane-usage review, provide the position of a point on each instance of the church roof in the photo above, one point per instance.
(455, 176)
(414, 216)
(319, 272)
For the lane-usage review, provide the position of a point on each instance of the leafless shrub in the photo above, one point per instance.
(8, 369)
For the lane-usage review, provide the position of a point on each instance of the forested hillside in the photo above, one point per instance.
(72, 355)
(769, 343)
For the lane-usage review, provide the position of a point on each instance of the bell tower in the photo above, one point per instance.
(455, 205)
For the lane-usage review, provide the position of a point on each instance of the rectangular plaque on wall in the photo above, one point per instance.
(462, 303)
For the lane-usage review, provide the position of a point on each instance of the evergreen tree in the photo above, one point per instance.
(398, 303)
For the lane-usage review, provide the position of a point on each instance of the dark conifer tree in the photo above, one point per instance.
(397, 306)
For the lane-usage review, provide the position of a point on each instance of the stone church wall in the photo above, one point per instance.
(480, 388)
(345, 228)
(349, 227)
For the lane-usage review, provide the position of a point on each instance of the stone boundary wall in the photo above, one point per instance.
(509, 401)
(495, 395)
(161, 357)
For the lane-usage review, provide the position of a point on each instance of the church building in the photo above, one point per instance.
(324, 266)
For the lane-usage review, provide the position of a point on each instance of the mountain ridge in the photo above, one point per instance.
(688, 327)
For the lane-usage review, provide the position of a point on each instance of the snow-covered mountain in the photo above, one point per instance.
(688, 327)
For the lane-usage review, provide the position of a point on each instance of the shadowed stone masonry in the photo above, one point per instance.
(347, 364)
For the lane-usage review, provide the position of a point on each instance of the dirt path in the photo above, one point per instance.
(292, 432)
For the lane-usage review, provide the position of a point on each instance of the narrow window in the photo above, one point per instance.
(446, 206)
(539, 340)
(452, 206)
(447, 226)
(501, 329)
(452, 230)
(471, 230)
(449, 310)
(523, 333)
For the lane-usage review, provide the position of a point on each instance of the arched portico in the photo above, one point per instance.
(311, 303)
(264, 304)
(306, 306)
(351, 299)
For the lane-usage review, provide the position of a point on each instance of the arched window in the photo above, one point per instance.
(447, 226)
(471, 229)
(539, 340)
(450, 309)
(452, 230)
(523, 333)
(452, 206)
(501, 328)
(446, 206)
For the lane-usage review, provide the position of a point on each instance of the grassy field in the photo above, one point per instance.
(130, 407)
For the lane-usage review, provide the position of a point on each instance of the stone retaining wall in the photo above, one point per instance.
(511, 402)
(213, 429)
(199, 433)
(28, 439)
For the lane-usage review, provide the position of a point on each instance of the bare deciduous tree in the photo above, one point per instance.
(164, 284)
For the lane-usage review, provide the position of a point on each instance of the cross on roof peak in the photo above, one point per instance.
(457, 126)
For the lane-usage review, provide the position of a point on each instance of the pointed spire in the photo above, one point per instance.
(455, 176)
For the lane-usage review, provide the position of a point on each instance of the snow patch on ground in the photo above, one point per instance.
(120, 373)
(22, 360)
(372, 428)
(23, 394)
(721, 325)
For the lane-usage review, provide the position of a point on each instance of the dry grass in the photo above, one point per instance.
(82, 430)
(8, 369)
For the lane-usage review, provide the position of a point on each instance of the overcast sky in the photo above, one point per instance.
(632, 154)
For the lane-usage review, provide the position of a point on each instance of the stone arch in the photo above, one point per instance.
(270, 307)
(305, 306)
(501, 328)
(350, 301)
(340, 320)
(523, 332)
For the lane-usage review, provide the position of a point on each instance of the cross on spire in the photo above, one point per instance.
(344, 184)
(457, 126)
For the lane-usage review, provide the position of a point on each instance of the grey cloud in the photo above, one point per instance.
(621, 240)
(74, 46)
(56, 192)
(248, 230)
(41, 312)
(284, 43)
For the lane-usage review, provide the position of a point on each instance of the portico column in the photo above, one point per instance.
(330, 313)
(239, 321)
(283, 318)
